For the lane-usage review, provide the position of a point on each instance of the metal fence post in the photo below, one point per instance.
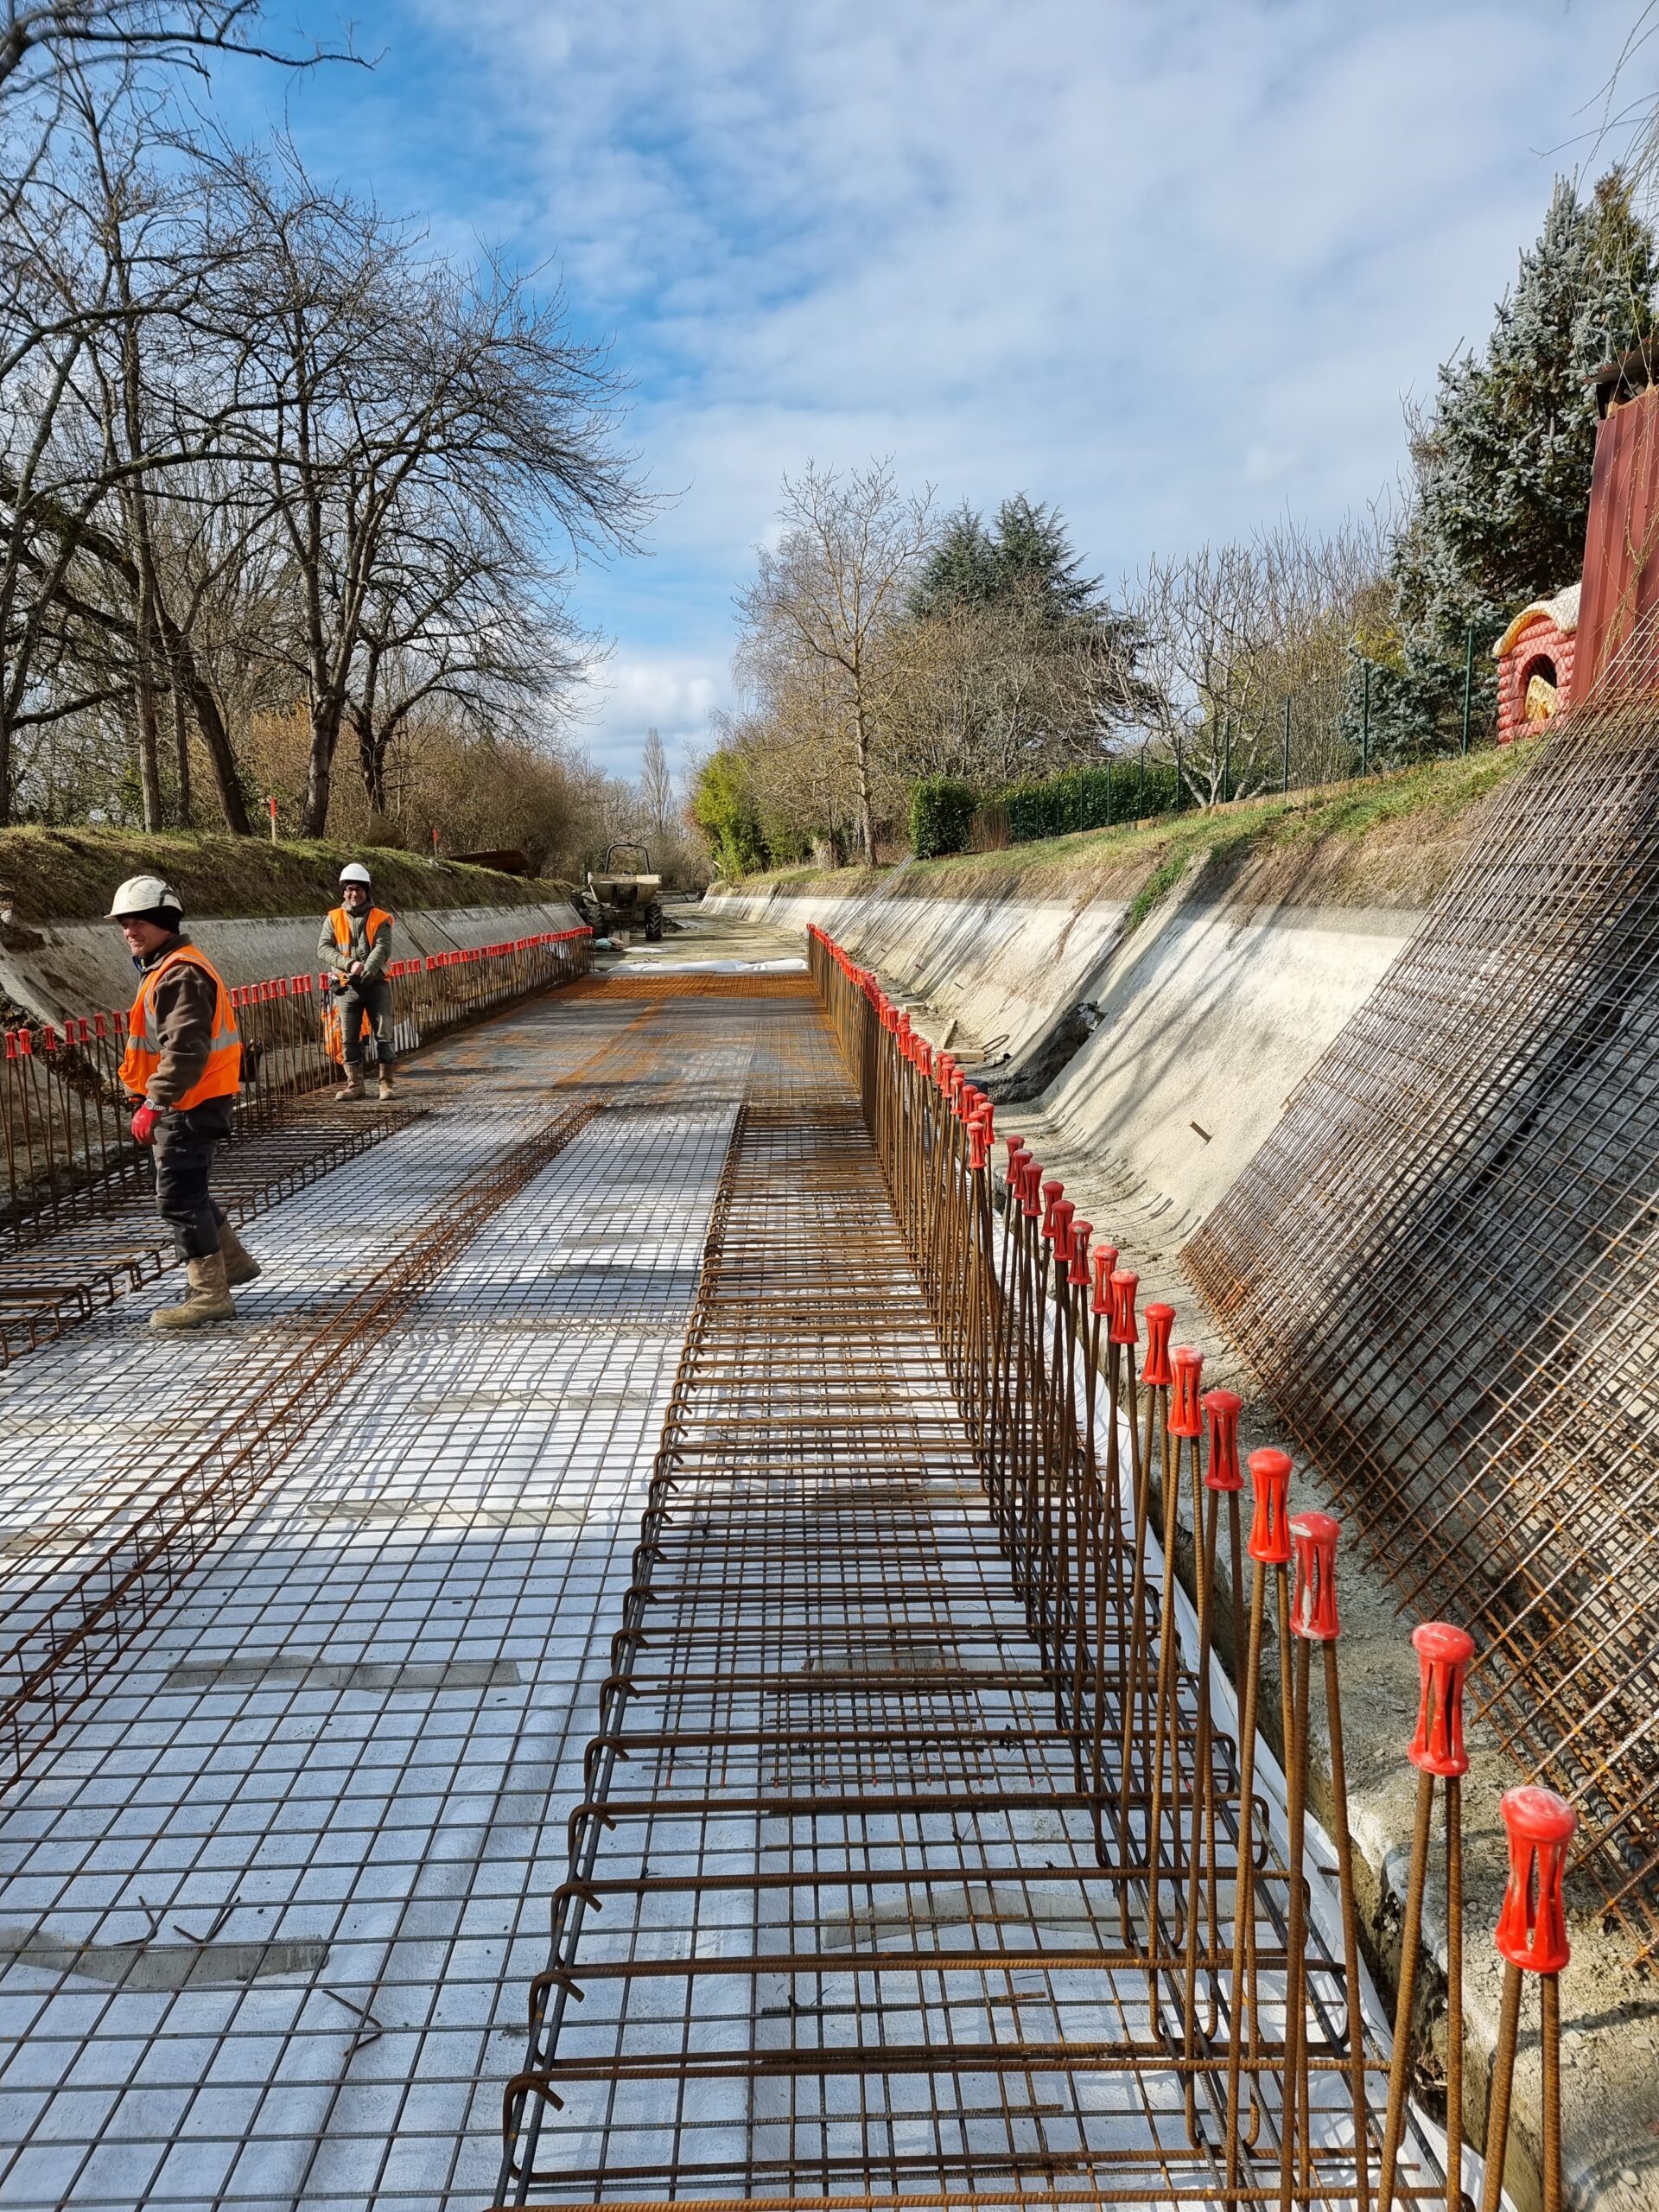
(1468, 679)
(1287, 740)
(1365, 725)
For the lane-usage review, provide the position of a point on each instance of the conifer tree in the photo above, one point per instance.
(1503, 466)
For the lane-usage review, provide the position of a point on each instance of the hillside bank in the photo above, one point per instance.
(255, 907)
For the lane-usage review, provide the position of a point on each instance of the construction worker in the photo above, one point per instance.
(183, 1065)
(355, 946)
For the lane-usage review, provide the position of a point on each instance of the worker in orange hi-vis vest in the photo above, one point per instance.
(183, 1066)
(355, 947)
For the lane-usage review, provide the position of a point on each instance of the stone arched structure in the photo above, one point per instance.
(1534, 664)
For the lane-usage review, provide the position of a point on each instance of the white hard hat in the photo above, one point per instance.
(143, 894)
(354, 872)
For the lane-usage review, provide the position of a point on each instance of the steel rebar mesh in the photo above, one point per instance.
(1442, 1266)
(908, 1865)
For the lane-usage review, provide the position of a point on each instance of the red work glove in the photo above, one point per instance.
(143, 1124)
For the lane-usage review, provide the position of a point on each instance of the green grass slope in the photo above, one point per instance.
(1379, 841)
(67, 875)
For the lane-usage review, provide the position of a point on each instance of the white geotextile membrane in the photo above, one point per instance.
(274, 1896)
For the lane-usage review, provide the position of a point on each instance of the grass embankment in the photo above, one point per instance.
(1379, 841)
(66, 875)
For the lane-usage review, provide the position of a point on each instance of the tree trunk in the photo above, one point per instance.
(144, 707)
(371, 752)
(866, 814)
(221, 756)
(227, 787)
(324, 736)
(181, 748)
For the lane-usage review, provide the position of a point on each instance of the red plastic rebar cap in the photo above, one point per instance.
(1223, 1408)
(1058, 1229)
(1313, 1590)
(1187, 1367)
(1157, 1373)
(1443, 1657)
(1532, 1922)
(1270, 1471)
(1122, 1328)
(1051, 1190)
(1102, 1260)
(1078, 1273)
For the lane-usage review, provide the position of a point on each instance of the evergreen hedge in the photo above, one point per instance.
(941, 810)
(1090, 798)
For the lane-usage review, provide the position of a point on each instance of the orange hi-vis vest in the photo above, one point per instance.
(222, 1076)
(340, 923)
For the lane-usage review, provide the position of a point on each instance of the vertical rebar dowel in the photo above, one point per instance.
(1453, 1993)
(1497, 2110)
(1531, 1938)
(1244, 2004)
(1343, 1842)
(1443, 1654)
(1410, 1935)
(1550, 1998)
(1291, 2117)
(1468, 680)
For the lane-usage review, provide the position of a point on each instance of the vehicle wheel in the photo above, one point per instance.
(654, 926)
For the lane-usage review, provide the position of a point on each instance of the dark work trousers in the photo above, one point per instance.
(355, 1000)
(183, 1146)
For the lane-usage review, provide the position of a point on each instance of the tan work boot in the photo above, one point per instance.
(240, 1266)
(354, 1084)
(209, 1299)
(387, 1089)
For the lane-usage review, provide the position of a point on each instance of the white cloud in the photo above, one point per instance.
(632, 693)
(1170, 264)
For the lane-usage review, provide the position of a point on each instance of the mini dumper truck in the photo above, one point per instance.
(617, 901)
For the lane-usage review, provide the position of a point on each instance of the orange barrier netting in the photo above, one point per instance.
(64, 1112)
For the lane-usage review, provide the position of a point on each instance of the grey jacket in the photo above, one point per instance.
(374, 956)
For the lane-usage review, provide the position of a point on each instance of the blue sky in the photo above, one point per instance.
(1170, 266)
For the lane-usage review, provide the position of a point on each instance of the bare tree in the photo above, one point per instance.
(1232, 632)
(817, 622)
(386, 394)
(40, 44)
(656, 787)
(992, 691)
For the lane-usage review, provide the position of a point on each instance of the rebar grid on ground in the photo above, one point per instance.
(72, 1630)
(675, 984)
(271, 1889)
(79, 1227)
(1443, 1265)
(900, 1877)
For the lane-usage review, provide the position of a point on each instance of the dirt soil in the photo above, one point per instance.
(66, 875)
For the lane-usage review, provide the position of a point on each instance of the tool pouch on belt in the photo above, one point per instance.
(332, 1040)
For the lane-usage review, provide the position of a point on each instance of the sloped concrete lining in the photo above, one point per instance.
(1207, 1016)
(1207, 1022)
(1000, 967)
(75, 966)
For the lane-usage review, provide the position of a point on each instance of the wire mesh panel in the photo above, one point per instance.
(1442, 1264)
(865, 1904)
